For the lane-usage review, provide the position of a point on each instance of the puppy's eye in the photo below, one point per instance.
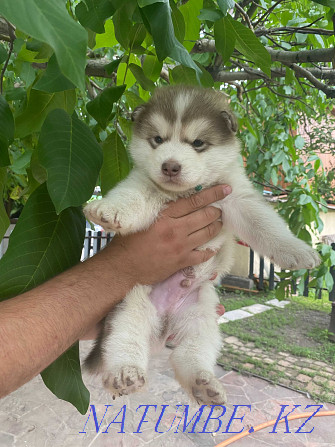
(198, 143)
(158, 139)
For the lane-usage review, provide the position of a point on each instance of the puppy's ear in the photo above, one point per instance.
(230, 120)
(137, 112)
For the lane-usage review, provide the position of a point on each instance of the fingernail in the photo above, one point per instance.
(226, 189)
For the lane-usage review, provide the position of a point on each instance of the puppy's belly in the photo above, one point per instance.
(177, 292)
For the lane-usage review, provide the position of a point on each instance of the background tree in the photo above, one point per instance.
(72, 72)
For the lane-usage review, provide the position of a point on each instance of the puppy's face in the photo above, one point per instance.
(184, 137)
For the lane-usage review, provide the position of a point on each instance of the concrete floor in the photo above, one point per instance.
(33, 417)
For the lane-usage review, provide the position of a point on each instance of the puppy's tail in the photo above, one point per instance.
(94, 361)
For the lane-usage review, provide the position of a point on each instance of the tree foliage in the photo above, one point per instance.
(72, 72)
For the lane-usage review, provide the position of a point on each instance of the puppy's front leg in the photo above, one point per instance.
(127, 208)
(253, 220)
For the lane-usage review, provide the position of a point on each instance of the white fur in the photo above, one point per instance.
(135, 203)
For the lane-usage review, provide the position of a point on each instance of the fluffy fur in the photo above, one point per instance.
(196, 145)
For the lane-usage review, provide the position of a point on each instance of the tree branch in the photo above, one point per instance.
(319, 55)
(302, 72)
(250, 74)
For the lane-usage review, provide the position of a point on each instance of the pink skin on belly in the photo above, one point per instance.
(182, 287)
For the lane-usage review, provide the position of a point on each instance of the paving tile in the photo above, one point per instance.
(256, 308)
(277, 303)
(237, 314)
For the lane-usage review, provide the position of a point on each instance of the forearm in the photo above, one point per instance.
(38, 326)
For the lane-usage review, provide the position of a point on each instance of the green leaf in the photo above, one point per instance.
(63, 378)
(107, 39)
(101, 107)
(39, 105)
(115, 166)
(25, 71)
(4, 221)
(144, 82)
(152, 67)
(15, 94)
(53, 80)
(6, 131)
(211, 15)
(190, 12)
(225, 38)
(329, 281)
(225, 5)
(299, 142)
(50, 22)
(328, 3)
(305, 236)
(143, 3)
(304, 199)
(113, 65)
(136, 36)
(133, 99)
(183, 75)
(158, 15)
(250, 46)
(42, 245)
(178, 22)
(93, 13)
(123, 24)
(126, 126)
(125, 76)
(72, 157)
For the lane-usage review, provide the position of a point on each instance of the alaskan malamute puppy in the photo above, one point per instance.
(183, 137)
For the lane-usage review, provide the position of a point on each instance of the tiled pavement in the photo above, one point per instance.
(33, 417)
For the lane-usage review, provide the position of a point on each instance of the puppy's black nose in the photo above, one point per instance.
(171, 168)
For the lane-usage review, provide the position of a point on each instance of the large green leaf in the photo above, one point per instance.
(152, 67)
(250, 46)
(141, 78)
(93, 13)
(190, 11)
(178, 22)
(53, 79)
(42, 245)
(72, 157)
(6, 131)
(115, 166)
(123, 23)
(63, 378)
(4, 221)
(225, 38)
(49, 21)
(39, 105)
(158, 16)
(101, 107)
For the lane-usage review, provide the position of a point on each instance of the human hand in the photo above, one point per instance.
(171, 243)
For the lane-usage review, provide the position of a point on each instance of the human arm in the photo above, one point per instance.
(39, 325)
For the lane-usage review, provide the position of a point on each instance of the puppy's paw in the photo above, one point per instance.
(295, 254)
(104, 213)
(126, 380)
(208, 390)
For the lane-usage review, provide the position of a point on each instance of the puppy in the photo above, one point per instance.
(183, 137)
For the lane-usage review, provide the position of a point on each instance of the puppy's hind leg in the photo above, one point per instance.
(195, 356)
(126, 343)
